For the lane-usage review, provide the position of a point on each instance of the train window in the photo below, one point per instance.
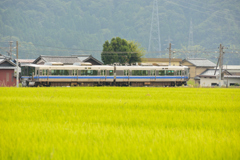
(83, 72)
(152, 72)
(110, 72)
(119, 72)
(170, 72)
(59, 72)
(31, 71)
(139, 72)
(162, 73)
(179, 72)
(126, 72)
(89, 72)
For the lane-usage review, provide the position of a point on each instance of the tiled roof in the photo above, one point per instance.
(86, 57)
(210, 72)
(160, 60)
(66, 59)
(82, 58)
(201, 62)
(63, 59)
(6, 60)
(24, 60)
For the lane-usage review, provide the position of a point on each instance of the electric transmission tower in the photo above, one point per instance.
(10, 49)
(154, 39)
(190, 39)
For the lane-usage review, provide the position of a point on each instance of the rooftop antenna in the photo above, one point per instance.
(154, 39)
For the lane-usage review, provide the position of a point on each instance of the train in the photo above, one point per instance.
(85, 74)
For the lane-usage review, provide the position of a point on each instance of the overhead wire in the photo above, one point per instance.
(204, 7)
(200, 11)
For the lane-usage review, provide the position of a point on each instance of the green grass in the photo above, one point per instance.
(119, 123)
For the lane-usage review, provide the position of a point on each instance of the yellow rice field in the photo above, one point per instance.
(119, 123)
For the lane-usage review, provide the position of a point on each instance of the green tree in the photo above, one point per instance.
(121, 51)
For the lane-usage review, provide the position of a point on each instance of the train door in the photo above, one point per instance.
(152, 75)
(186, 74)
(126, 75)
(102, 75)
(73, 75)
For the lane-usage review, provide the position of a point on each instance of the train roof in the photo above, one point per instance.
(108, 67)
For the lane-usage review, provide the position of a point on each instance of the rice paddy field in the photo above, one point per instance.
(119, 123)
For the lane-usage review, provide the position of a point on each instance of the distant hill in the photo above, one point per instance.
(59, 26)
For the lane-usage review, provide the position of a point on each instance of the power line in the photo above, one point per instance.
(201, 11)
(205, 7)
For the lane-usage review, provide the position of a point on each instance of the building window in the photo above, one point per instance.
(214, 84)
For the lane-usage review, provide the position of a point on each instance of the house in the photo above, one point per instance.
(209, 78)
(162, 61)
(197, 66)
(89, 59)
(7, 72)
(233, 69)
(67, 60)
(23, 61)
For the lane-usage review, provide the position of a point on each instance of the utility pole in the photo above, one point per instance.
(220, 63)
(170, 53)
(168, 41)
(17, 62)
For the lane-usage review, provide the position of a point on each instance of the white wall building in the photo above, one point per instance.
(209, 79)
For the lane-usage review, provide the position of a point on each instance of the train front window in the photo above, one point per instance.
(27, 71)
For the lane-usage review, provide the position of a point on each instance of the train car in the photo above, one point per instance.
(57, 74)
